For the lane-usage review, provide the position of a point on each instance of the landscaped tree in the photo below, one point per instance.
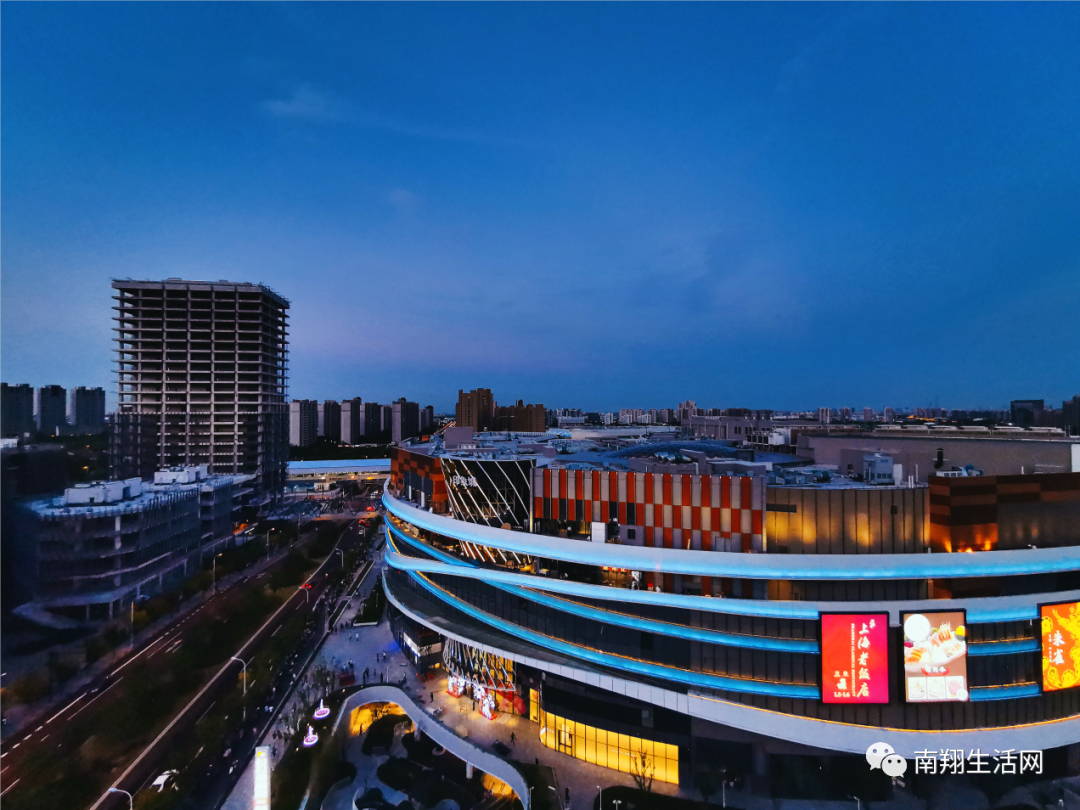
(707, 783)
(643, 770)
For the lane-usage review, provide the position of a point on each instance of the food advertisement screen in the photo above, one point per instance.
(935, 657)
(1060, 645)
(855, 657)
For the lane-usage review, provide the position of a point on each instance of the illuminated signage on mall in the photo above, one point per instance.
(935, 656)
(464, 481)
(1060, 645)
(855, 657)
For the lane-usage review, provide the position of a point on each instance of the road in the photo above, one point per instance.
(149, 763)
(21, 744)
(212, 785)
(106, 692)
(219, 789)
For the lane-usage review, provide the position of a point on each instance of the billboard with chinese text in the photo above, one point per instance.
(935, 656)
(855, 657)
(1060, 645)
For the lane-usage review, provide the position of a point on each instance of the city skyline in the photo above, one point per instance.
(737, 205)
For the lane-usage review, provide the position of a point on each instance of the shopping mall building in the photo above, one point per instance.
(753, 619)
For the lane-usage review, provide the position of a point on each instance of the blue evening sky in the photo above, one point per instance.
(605, 205)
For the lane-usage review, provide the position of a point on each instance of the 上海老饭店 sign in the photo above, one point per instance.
(855, 657)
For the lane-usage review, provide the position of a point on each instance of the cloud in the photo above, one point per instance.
(311, 103)
(404, 200)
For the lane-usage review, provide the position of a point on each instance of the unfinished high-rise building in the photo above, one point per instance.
(203, 379)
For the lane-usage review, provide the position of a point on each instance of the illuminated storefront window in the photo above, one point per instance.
(607, 749)
(490, 678)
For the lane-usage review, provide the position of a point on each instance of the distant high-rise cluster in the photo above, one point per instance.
(353, 421)
(51, 410)
(479, 411)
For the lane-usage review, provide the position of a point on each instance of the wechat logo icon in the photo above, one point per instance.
(881, 755)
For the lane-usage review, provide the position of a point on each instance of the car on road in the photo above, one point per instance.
(166, 779)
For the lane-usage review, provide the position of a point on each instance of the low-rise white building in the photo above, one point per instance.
(88, 553)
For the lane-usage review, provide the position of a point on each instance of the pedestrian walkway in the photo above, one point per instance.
(358, 644)
(375, 649)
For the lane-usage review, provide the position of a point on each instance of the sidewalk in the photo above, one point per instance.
(361, 646)
(337, 649)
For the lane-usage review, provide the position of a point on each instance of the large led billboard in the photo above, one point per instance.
(855, 657)
(935, 656)
(1060, 645)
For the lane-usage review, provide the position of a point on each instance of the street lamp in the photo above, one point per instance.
(243, 663)
(215, 571)
(131, 799)
(858, 802)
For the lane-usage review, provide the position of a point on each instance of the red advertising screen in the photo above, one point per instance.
(855, 657)
(1060, 645)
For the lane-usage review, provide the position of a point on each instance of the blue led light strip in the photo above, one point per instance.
(1019, 690)
(698, 679)
(748, 566)
(607, 616)
(977, 693)
(1020, 645)
(979, 611)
